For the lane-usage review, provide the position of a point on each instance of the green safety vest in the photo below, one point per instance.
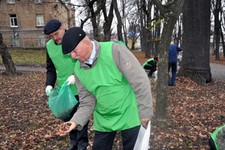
(146, 63)
(64, 64)
(217, 136)
(116, 103)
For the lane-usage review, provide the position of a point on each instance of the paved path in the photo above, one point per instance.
(26, 68)
(217, 70)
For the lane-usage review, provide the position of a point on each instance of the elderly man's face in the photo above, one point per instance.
(82, 51)
(57, 35)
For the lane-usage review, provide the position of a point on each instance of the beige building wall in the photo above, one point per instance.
(27, 34)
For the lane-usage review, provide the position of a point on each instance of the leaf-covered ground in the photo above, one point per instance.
(193, 112)
(26, 122)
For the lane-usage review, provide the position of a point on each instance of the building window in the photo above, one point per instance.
(39, 1)
(11, 1)
(13, 20)
(39, 20)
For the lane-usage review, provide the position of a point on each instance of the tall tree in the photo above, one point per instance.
(222, 15)
(170, 13)
(6, 58)
(123, 4)
(119, 21)
(196, 41)
(94, 13)
(108, 18)
(90, 10)
(217, 27)
(146, 26)
(133, 34)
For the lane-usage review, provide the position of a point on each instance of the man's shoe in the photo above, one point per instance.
(72, 147)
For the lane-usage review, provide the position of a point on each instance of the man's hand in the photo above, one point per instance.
(71, 80)
(144, 122)
(66, 127)
(48, 90)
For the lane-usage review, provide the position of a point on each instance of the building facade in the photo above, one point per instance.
(22, 21)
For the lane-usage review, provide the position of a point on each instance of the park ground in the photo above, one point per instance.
(26, 122)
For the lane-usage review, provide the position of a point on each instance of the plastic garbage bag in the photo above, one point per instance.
(61, 101)
(142, 142)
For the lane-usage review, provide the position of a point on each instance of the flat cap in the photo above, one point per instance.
(71, 39)
(52, 26)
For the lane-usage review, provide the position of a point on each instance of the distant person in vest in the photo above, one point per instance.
(113, 84)
(59, 69)
(172, 64)
(151, 65)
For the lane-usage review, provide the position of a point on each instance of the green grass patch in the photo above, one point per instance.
(27, 56)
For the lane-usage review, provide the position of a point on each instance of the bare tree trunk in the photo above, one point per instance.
(196, 41)
(133, 43)
(162, 84)
(222, 17)
(146, 34)
(142, 31)
(119, 19)
(157, 37)
(217, 28)
(223, 43)
(94, 15)
(6, 58)
(170, 14)
(124, 22)
(108, 22)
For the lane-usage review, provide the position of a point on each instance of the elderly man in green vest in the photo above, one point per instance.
(112, 85)
(59, 69)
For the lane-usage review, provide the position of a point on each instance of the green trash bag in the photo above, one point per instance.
(61, 101)
(217, 139)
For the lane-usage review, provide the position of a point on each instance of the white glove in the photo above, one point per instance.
(48, 90)
(71, 80)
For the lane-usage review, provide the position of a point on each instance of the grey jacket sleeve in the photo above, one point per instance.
(86, 106)
(130, 67)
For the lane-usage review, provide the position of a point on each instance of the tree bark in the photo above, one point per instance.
(119, 19)
(170, 13)
(217, 28)
(6, 58)
(108, 21)
(196, 41)
(223, 43)
(94, 14)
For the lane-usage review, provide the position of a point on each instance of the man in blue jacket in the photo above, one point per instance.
(172, 64)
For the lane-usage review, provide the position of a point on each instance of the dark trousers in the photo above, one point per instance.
(151, 70)
(173, 67)
(78, 138)
(104, 140)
